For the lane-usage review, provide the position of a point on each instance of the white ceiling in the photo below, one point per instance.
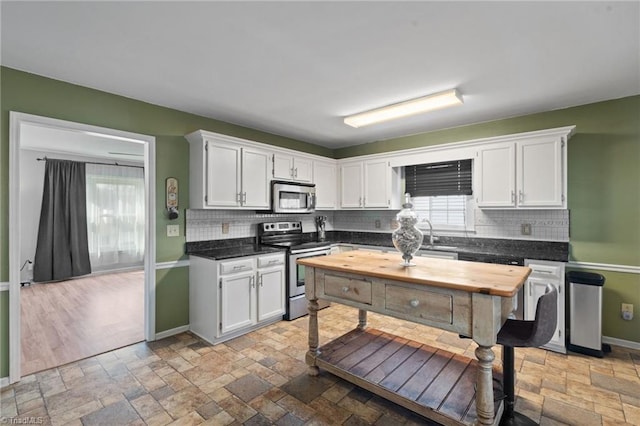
(297, 68)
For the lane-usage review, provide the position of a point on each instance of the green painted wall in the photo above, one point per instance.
(28, 93)
(172, 298)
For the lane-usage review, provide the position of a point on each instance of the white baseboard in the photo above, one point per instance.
(620, 342)
(4, 382)
(172, 332)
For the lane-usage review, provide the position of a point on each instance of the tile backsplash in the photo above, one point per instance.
(547, 225)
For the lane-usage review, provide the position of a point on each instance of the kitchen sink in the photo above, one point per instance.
(440, 248)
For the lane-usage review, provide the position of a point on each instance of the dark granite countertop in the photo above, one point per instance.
(465, 247)
(227, 249)
(482, 249)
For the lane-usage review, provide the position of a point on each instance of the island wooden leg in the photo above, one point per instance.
(362, 319)
(313, 338)
(484, 380)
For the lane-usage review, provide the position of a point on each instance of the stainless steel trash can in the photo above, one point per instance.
(585, 310)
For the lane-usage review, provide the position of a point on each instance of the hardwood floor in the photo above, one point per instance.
(70, 320)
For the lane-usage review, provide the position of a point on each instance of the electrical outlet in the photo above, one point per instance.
(378, 224)
(173, 230)
(627, 311)
(525, 229)
(225, 228)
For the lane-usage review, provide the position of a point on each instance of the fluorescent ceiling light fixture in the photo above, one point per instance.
(404, 109)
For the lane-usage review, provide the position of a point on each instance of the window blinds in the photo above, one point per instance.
(446, 178)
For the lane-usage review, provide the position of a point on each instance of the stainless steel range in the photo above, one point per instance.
(289, 235)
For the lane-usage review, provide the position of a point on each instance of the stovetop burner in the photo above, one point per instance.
(286, 234)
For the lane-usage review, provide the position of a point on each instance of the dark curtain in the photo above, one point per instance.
(62, 249)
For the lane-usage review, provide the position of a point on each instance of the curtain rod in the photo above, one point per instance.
(95, 162)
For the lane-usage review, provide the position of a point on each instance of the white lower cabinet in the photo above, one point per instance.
(270, 287)
(228, 298)
(544, 273)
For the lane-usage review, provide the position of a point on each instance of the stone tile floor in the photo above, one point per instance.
(260, 379)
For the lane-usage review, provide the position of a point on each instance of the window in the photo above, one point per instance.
(445, 212)
(115, 216)
(441, 193)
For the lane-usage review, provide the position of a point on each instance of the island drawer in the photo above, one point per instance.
(419, 304)
(348, 288)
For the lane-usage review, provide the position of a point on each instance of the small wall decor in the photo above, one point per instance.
(172, 198)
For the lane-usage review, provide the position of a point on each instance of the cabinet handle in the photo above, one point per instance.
(244, 198)
(291, 172)
(520, 196)
(253, 282)
(239, 197)
(364, 201)
(261, 276)
(513, 196)
(414, 303)
(295, 175)
(345, 289)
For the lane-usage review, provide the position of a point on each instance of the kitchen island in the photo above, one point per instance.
(468, 298)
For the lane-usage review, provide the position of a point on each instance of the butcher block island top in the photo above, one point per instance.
(473, 277)
(469, 298)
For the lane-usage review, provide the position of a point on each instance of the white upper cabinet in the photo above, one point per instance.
(527, 173)
(227, 174)
(351, 185)
(541, 173)
(324, 176)
(367, 184)
(377, 184)
(289, 167)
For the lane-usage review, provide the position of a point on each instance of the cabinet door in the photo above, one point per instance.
(324, 176)
(495, 176)
(255, 178)
(270, 293)
(282, 166)
(223, 175)
(351, 185)
(236, 301)
(539, 173)
(377, 184)
(302, 169)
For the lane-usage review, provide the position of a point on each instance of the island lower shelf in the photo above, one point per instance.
(432, 382)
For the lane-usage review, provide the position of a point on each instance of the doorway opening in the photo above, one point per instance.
(33, 137)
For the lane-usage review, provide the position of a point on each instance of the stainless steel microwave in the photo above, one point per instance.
(292, 197)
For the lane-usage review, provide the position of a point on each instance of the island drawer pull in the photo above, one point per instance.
(345, 289)
(414, 303)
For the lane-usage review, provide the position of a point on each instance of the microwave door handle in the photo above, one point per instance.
(312, 201)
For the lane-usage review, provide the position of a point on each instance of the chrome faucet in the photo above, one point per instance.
(430, 232)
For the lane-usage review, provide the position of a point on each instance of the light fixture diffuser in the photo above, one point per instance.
(404, 109)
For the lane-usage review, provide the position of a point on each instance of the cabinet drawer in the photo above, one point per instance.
(236, 266)
(544, 270)
(266, 261)
(417, 303)
(348, 288)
